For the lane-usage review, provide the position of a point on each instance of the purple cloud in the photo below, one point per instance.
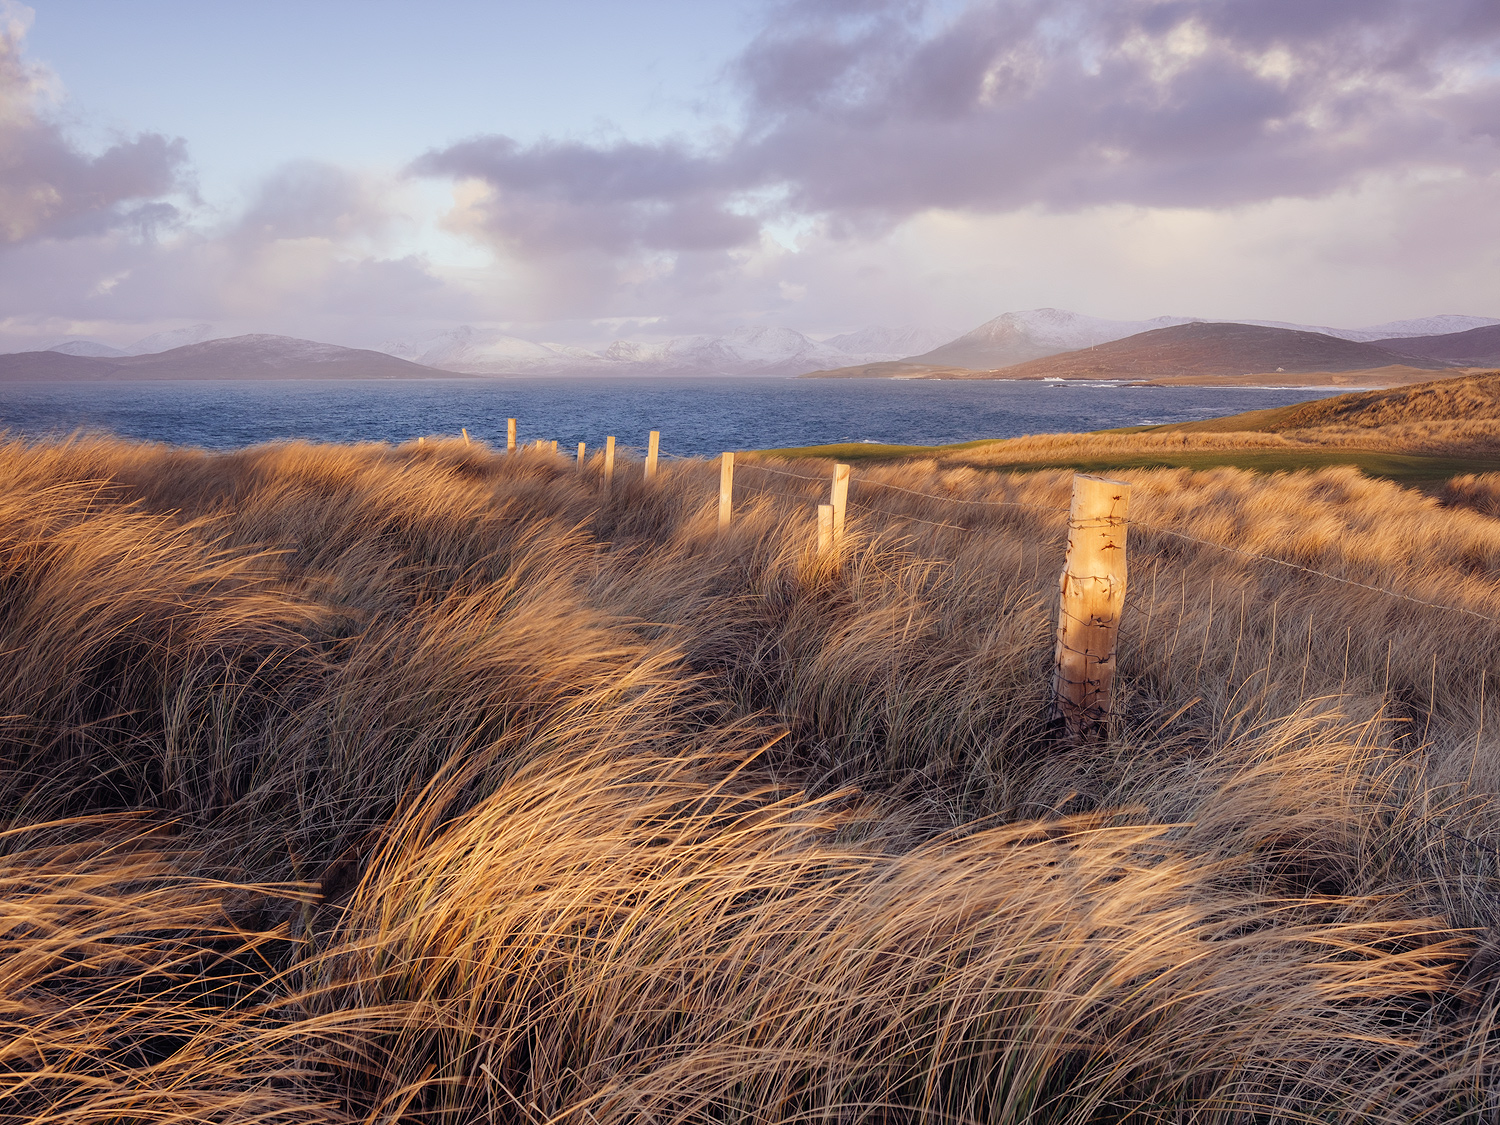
(49, 189)
(559, 197)
(865, 113)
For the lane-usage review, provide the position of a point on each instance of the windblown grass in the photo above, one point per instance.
(430, 784)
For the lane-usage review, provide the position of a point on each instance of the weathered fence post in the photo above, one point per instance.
(1093, 597)
(825, 530)
(609, 463)
(554, 447)
(580, 457)
(653, 446)
(465, 431)
(726, 490)
(838, 498)
(510, 435)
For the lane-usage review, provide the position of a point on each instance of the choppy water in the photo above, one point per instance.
(695, 416)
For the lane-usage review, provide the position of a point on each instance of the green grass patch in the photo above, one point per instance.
(871, 451)
(1250, 421)
(1403, 468)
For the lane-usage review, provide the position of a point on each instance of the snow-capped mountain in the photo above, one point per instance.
(1392, 330)
(91, 348)
(149, 345)
(744, 351)
(478, 351)
(173, 338)
(877, 340)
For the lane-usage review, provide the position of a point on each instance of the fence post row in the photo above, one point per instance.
(726, 489)
(1092, 583)
(653, 446)
(1093, 596)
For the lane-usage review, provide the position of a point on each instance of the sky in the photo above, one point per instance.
(361, 171)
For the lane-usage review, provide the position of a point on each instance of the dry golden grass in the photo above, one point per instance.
(429, 784)
(1480, 491)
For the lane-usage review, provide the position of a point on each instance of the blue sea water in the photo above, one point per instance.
(696, 416)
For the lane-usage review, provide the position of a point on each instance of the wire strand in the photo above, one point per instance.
(864, 483)
(904, 516)
(1310, 570)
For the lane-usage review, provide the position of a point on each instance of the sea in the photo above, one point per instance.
(695, 416)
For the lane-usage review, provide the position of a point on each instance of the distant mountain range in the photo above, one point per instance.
(149, 345)
(240, 357)
(745, 351)
(1478, 347)
(1201, 348)
(1038, 343)
(1017, 337)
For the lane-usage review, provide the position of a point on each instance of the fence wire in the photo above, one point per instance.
(1287, 563)
(1144, 526)
(1311, 570)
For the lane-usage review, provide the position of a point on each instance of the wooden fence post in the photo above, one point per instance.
(726, 489)
(580, 457)
(1093, 597)
(825, 530)
(510, 435)
(609, 463)
(838, 498)
(554, 447)
(465, 431)
(653, 446)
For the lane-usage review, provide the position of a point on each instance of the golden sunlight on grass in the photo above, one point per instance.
(429, 784)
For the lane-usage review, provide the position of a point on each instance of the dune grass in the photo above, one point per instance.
(428, 784)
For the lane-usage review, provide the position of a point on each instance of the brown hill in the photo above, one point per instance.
(50, 367)
(1470, 399)
(1211, 349)
(256, 356)
(1478, 347)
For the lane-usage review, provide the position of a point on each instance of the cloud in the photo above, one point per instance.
(48, 187)
(115, 243)
(863, 114)
(1068, 105)
(304, 257)
(310, 199)
(889, 160)
(560, 197)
